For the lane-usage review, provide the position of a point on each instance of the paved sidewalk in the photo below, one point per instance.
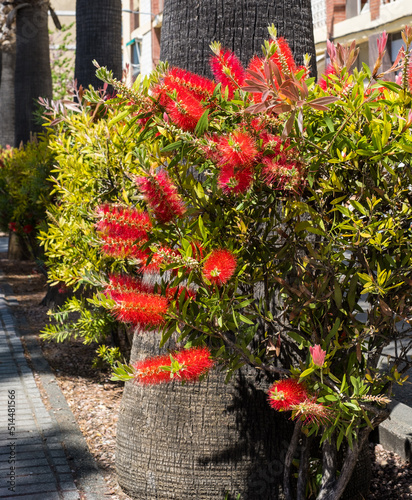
(41, 451)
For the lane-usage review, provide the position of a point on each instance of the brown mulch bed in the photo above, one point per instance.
(95, 400)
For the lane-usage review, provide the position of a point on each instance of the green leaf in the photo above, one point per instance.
(306, 372)
(340, 439)
(172, 146)
(359, 207)
(337, 294)
(202, 124)
(332, 333)
(245, 319)
(118, 117)
(352, 296)
(329, 123)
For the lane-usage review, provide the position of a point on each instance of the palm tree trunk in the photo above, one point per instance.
(32, 74)
(189, 26)
(199, 440)
(8, 59)
(99, 37)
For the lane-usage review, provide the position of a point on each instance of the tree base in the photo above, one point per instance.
(202, 440)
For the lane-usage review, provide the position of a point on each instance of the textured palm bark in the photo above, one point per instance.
(98, 37)
(7, 62)
(199, 440)
(32, 72)
(189, 26)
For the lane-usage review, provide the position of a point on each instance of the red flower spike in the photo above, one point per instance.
(172, 291)
(136, 302)
(123, 231)
(161, 196)
(143, 310)
(226, 62)
(195, 361)
(237, 149)
(199, 86)
(324, 81)
(126, 284)
(237, 181)
(186, 110)
(219, 266)
(282, 174)
(286, 393)
(283, 57)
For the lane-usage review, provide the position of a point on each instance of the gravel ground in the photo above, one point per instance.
(95, 400)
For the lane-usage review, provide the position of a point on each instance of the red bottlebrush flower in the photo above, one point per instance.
(121, 283)
(13, 226)
(282, 174)
(28, 228)
(136, 303)
(123, 231)
(185, 111)
(161, 196)
(228, 70)
(311, 412)
(283, 57)
(232, 180)
(273, 143)
(199, 86)
(237, 149)
(219, 266)
(194, 363)
(144, 310)
(286, 393)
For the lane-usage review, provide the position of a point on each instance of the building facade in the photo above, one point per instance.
(141, 34)
(343, 21)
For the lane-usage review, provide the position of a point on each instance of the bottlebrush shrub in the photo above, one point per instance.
(25, 190)
(305, 188)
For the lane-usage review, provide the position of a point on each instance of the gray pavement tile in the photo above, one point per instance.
(25, 464)
(22, 489)
(71, 495)
(38, 478)
(63, 468)
(39, 496)
(35, 454)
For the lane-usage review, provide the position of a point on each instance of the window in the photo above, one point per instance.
(135, 51)
(356, 7)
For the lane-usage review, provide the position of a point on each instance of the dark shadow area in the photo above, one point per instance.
(264, 440)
